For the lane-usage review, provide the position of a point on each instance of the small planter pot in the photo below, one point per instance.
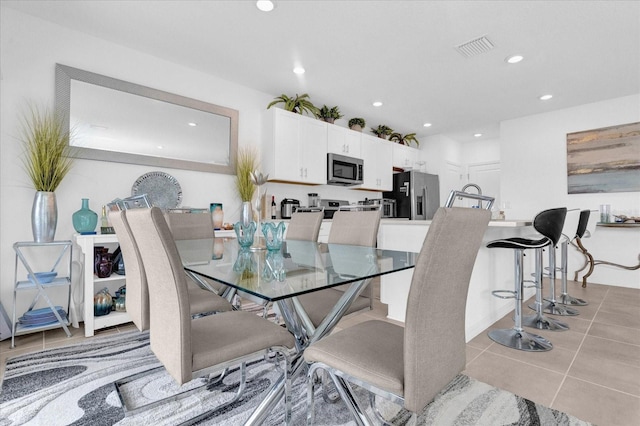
(356, 127)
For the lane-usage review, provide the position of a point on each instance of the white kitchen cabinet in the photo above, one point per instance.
(343, 141)
(295, 148)
(405, 157)
(378, 165)
(92, 284)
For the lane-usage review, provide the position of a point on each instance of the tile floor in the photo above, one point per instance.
(593, 372)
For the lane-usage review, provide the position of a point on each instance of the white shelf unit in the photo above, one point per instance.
(92, 284)
(25, 260)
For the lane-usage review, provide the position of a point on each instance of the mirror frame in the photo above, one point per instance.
(64, 74)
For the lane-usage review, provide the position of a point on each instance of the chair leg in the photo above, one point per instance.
(517, 337)
(565, 299)
(591, 262)
(551, 305)
(539, 320)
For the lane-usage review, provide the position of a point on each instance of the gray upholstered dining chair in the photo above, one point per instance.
(202, 301)
(304, 226)
(190, 348)
(358, 228)
(190, 226)
(409, 365)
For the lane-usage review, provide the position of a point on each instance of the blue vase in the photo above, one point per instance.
(85, 219)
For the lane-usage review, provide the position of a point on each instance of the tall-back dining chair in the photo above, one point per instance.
(137, 290)
(190, 348)
(304, 226)
(410, 365)
(191, 226)
(358, 228)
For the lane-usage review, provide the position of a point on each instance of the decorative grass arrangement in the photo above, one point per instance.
(47, 156)
(246, 163)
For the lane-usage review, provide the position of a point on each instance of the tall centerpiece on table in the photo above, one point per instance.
(47, 159)
(259, 180)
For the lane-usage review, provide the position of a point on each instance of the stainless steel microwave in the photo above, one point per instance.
(343, 170)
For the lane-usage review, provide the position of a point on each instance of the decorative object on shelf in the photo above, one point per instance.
(162, 189)
(246, 163)
(404, 139)
(357, 124)
(104, 266)
(43, 316)
(47, 159)
(120, 301)
(105, 226)
(259, 180)
(217, 215)
(118, 262)
(102, 303)
(85, 219)
(273, 235)
(300, 104)
(245, 233)
(97, 252)
(382, 131)
(329, 114)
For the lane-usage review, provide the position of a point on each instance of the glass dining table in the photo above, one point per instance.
(279, 277)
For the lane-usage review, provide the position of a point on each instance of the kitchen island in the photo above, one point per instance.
(493, 270)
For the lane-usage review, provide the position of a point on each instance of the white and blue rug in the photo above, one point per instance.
(73, 385)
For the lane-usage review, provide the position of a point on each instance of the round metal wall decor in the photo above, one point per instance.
(162, 189)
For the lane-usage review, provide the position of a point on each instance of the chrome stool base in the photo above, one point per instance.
(542, 322)
(565, 299)
(520, 340)
(555, 309)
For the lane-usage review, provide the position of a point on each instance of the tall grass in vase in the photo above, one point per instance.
(47, 159)
(246, 163)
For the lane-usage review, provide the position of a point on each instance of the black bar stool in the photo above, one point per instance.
(565, 299)
(548, 223)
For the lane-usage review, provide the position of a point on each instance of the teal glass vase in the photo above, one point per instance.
(85, 219)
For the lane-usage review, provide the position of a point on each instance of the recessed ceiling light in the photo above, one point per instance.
(514, 59)
(477, 135)
(265, 5)
(192, 124)
(298, 70)
(427, 125)
(377, 104)
(545, 97)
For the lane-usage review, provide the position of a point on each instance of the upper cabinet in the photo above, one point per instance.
(295, 148)
(378, 164)
(341, 140)
(404, 156)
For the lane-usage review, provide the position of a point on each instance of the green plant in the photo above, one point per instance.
(47, 156)
(404, 139)
(299, 104)
(382, 131)
(357, 121)
(246, 163)
(329, 114)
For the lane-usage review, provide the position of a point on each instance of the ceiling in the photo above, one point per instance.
(402, 53)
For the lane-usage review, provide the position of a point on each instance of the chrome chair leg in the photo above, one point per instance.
(551, 305)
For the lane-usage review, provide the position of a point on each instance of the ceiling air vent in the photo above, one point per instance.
(475, 47)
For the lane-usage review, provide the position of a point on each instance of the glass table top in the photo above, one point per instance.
(298, 267)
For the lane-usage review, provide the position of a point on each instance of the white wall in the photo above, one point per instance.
(534, 177)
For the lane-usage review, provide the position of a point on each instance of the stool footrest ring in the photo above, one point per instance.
(498, 293)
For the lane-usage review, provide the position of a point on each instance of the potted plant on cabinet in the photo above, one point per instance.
(47, 159)
(246, 163)
(329, 114)
(404, 139)
(298, 104)
(357, 124)
(382, 131)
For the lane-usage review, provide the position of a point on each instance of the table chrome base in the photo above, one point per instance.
(542, 322)
(565, 299)
(555, 309)
(520, 340)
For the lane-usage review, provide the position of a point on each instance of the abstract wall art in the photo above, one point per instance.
(604, 160)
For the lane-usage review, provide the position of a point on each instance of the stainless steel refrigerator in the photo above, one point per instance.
(417, 195)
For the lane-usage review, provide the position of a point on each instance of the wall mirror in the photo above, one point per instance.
(114, 120)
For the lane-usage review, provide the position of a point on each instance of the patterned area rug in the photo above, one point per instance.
(73, 385)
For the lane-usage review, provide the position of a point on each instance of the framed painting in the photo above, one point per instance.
(604, 160)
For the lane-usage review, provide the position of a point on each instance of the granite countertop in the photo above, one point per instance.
(514, 223)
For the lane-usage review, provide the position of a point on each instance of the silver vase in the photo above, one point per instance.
(246, 213)
(44, 217)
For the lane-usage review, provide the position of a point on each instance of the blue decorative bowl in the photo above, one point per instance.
(43, 277)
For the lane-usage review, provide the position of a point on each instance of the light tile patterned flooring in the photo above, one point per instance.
(593, 372)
